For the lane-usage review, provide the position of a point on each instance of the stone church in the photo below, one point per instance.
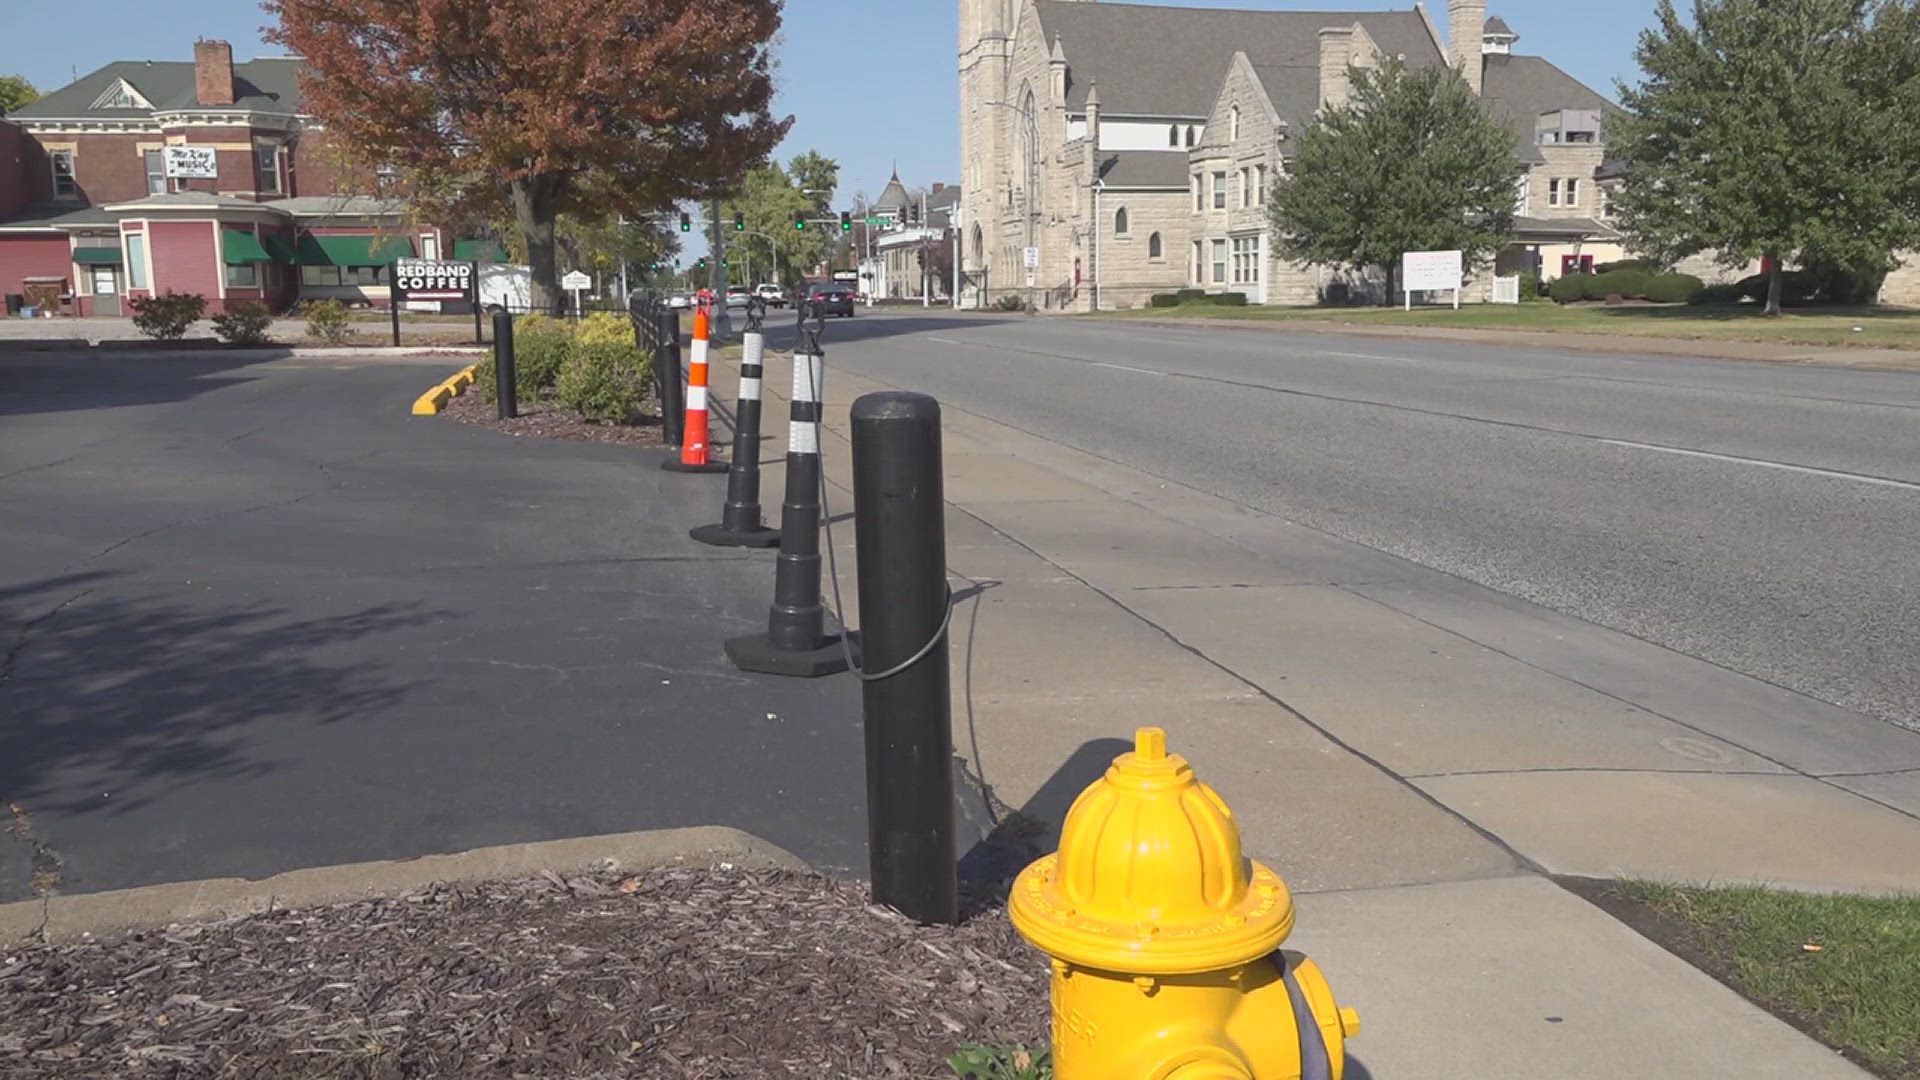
(1114, 150)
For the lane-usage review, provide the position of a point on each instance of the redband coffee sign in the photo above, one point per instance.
(431, 279)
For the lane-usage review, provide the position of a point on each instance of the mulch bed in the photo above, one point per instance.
(545, 420)
(678, 973)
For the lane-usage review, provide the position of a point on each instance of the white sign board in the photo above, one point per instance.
(1427, 271)
(1031, 258)
(432, 279)
(192, 163)
(577, 281)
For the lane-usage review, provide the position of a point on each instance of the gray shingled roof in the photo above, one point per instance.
(1533, 228)
(340, 205)
(1520, 88)
(1168, 61)
(265, 85)
(893, 197)
(1145, 169)
(58, 215)
(185, 200)
(1498, 26)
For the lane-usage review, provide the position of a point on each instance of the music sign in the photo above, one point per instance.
(432, 279)
(192, 163)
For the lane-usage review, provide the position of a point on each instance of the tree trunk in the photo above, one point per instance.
(533, 214)
(1776, 284)
(1390, 300)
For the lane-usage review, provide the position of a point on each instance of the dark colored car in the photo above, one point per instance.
(833, 297)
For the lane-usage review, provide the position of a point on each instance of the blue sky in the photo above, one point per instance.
(870, 82)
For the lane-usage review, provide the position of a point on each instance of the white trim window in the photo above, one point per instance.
(1563, 192)
(266, 167)
(243, 276)
(1220, 189)
(1259, 185)
(156, 163)
(1246, 260)
(136, 260)
(61, 164)
(1219, 262)
(1523, 194)
(1199, 262)
(1233, 124)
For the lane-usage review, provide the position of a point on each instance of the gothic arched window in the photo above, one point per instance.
(1120, 222)
(1190, 136)
(1154, 250)
(1173, 135)
(1030, 133)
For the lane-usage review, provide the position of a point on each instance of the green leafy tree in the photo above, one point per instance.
(1413, 162)
(16, 91)
(1776, 129)
(769, 198)
(601, 245)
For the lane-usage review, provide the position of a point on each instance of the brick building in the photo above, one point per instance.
(91, 217)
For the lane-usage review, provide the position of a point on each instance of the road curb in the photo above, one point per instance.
(65, 918)
(431, 402)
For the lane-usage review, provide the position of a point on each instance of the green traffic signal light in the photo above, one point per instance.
(686, 223)
(739, 223)
(846, 221)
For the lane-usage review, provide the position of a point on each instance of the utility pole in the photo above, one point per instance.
(718, 276)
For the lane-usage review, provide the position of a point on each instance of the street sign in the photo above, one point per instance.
(876, 221)
(1031, 258)
(192, 163)
(577, 281)
(432, 279)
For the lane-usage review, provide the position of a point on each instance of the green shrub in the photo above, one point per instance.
(603, 327)
(605, 382)
(538, 358)
(1010, 302)
(1673, 288)
(1626, 284)
(1568, 288)
(1165, 299)
(1529, 286)
(243, 323)
(1229, 299)
(1818, 283)
(541, 324)
(167, 317)
(327, 320)
(1188, 295)
(1715, 294)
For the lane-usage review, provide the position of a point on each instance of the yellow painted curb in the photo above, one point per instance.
(434, 400)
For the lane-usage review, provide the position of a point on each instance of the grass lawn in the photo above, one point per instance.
(1886, 328)
(1845, 969)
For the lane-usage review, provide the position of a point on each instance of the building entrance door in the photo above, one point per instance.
(106, 290)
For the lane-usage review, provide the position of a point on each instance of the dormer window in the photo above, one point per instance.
(121, 95)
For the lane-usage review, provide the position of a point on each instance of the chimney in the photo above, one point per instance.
(1336, 58)
(938, 187)
(1466, 33)
(213, 72)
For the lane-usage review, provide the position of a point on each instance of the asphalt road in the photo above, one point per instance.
(1762, 517)
(255, 617)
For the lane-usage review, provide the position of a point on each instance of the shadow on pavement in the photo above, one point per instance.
(874, 327)
(988, 868)
(106, 693)
(45, 382)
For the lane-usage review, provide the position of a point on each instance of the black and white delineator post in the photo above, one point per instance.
(796, 642)
(741, 522)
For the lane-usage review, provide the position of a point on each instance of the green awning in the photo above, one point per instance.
(240, 248)
(353, 250)
(479, 251)
(279, 248)
(97, 256)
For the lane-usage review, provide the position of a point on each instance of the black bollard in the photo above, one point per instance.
(741, 522)
(666, 379)
(506, 384)
(900, 526)
(796, 642)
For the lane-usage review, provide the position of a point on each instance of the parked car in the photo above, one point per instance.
(774, 295)
(680, 300)
(833, 297)
(738, 296)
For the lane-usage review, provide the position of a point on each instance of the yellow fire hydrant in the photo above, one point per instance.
(1166, 941)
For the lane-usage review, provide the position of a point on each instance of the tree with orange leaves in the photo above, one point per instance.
(542, 107)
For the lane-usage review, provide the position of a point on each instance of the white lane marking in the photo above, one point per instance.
(1123, 367)
(1781, 465)
(944, 340)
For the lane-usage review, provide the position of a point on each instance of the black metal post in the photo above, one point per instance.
(666, 378)
(741, 522)
(796, 642)
(506, 383)
(393, 308)
(473, 297)
(900, 525)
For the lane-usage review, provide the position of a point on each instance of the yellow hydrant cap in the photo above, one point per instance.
(1149, 878)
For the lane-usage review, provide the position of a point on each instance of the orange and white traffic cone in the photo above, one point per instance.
(695, 453)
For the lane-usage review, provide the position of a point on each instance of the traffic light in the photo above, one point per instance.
(800, 219)
(913, 215)
(739, 222)
(846, 221)
(686, 223)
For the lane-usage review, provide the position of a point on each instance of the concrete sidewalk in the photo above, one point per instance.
(1407, 750)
